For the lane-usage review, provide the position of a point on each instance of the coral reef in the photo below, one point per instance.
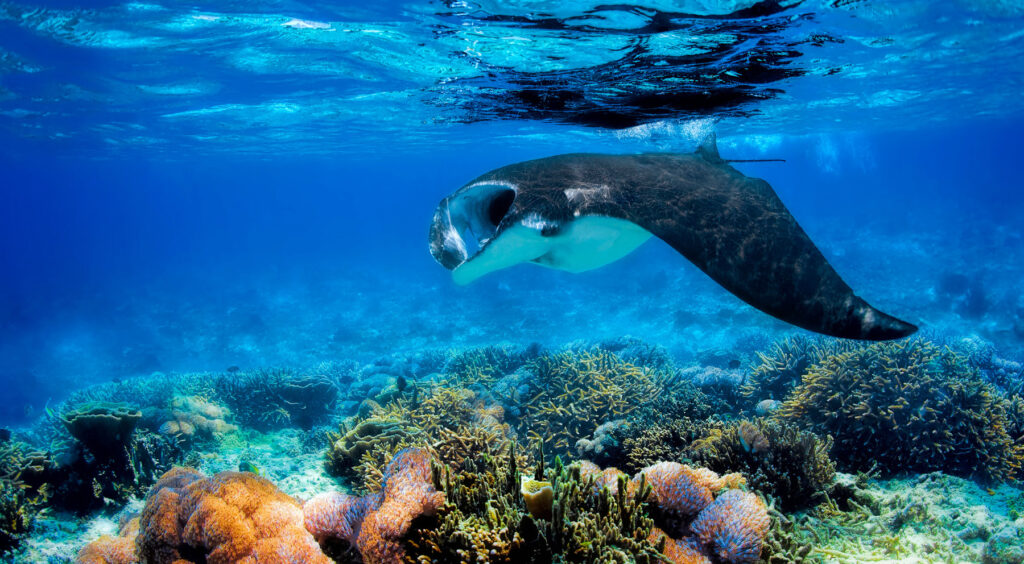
(907, 406)
(112, 550)
(377, 524)
(105, 429)
(453, 423)
(276, 398)
(573, 393)
(779, 369)
(103, 456)
(16, 515)
(192, 418)
(733, 527)
(230, 517)
(777, 458)
(485, 365)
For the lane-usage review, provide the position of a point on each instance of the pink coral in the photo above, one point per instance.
(733, 527)
(607, 478)
(676, 489)
(377, 524)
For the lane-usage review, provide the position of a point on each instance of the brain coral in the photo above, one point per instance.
(407, 492)
(733, 527)
(231, 517)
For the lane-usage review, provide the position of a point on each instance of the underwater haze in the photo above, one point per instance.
(214, 244)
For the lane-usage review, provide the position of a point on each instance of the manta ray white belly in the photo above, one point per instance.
(583, 244)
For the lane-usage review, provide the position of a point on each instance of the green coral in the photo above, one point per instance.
(16, 515)
(780, 368)
(907, 407)
(573, 393)
(487, 364)
(777, 458)
(485, 520)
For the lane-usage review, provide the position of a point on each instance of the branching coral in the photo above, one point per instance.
(16, 515)
(779, 369)
(450, 422)
(230, 517)
(273, 399)
(777, 458)
(907, 407)
(573, 393)
(487, 364)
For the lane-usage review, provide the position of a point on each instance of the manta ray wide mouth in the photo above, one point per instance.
(467, 220)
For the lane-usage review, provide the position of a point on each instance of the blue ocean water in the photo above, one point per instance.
(194, 186)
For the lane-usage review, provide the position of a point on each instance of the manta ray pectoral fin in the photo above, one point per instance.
(738, 231)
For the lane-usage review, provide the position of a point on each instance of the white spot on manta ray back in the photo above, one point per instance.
(587, 194)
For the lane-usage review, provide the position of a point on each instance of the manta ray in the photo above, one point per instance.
(577, 212)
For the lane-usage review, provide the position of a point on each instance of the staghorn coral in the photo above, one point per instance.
(277, 398)
(777, 458)
(780, 368)
(112, 550)
(573, 393)
(733, 527)
(487, 364)
(453, 423)
(907, 406)
(377, 524)
(645, 444)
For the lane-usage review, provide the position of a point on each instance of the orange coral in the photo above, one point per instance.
(678, 551)
(112, 550)
(677, 489)
(228, 518)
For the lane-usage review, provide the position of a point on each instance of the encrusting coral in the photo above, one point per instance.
(907, 407)
(227, 518)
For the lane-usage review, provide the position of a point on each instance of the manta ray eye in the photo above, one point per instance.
(499, 206)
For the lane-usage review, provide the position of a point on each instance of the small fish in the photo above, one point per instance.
(247, 466)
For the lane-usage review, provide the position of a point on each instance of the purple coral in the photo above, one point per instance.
(733, 527)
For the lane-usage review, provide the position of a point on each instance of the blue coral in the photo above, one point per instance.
(733, 527)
